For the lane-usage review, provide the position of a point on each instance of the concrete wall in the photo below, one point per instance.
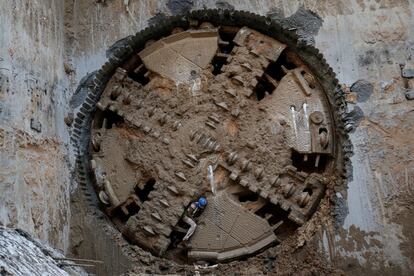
(34, 174)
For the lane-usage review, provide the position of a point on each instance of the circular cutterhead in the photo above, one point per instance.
(217, 108)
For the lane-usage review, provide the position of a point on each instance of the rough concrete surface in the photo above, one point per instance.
(47, 47)
(34, 95)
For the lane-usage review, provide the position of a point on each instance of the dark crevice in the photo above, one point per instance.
(126, 210)
(136, 70)
(141, 78)
(322, 129)
(273, 74)
(139, 73)
(243, 195)
(274, 215)
(226, 45)
(106, 119)
(111, 119)
(248, 196)
(131, 63)
(218, 62)
(275, 69)
(226, 48)
(120, 215)
(132, 208)
(98, 119)
(114, 95)
(144, 192)
(286, 229)
(309, 162)
(308, 190)
(227, 33)
(260, 91)
(266, 84)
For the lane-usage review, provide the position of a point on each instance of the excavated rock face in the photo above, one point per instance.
(216, 110)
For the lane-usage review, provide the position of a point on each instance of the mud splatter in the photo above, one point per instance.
(306, 22)
(340, 210)
(371, 57)
(355, 116)
(366, 59)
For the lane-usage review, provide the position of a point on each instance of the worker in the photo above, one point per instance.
(192, 211)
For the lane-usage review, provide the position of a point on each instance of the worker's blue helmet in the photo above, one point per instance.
(202, 201)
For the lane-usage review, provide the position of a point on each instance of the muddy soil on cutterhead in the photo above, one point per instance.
(236, 116)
